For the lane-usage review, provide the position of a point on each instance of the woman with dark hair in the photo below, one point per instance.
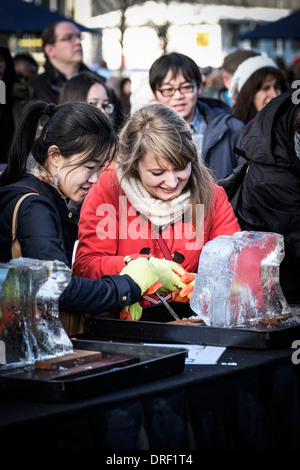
(87, 86)
(72, 148)
(256, 81)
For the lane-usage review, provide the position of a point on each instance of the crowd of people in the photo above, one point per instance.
(108, 181)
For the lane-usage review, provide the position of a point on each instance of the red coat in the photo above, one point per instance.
(110, 229)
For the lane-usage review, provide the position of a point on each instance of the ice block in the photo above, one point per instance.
(237, 283)
(30, 327)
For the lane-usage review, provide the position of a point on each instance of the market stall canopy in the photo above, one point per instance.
(18, 16)
(285, 28)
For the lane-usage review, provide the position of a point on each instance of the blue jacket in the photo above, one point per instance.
(222, 134)
(47, 232)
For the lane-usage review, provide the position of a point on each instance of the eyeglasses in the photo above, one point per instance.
(105, 107)
(70, 38)
(183, 89)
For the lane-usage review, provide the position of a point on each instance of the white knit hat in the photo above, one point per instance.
(245, 70)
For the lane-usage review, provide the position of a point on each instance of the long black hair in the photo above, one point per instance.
(75, 128)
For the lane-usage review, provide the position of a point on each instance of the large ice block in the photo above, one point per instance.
(30, 327)
(237, 283)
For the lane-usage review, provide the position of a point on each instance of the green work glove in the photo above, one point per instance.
(131, 312)
(144, 274)
(169, 274)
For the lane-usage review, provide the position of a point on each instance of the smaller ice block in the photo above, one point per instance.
(30, 327)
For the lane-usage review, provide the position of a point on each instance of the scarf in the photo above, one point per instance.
(160, 213)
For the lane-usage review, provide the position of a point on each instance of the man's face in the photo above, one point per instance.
(181, 101)
(67, 47)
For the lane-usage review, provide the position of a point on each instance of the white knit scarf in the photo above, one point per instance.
(160, 213)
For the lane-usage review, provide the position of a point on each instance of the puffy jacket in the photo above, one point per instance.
(223, 133)
(110, 229)
(46, 231)
(270, 197)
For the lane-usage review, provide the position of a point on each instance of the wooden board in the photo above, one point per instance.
(69, 360)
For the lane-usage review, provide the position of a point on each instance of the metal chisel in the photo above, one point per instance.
(127, 260)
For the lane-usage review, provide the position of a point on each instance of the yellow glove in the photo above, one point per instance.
(131, 312)
(144, 274)
(169, 274)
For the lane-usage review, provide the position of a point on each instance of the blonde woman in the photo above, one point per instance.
(157, 200)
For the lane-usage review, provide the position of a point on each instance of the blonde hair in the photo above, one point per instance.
(158, 129)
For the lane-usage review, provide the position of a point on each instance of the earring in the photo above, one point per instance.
(55, 178)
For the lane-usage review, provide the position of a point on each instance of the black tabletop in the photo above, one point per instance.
(248, 400)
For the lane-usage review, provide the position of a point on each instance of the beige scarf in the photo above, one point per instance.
(160, 213)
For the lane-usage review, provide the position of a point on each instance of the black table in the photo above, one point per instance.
(252, 405)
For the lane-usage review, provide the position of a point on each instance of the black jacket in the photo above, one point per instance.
(45, 231)
(48, 84)
(270, 197)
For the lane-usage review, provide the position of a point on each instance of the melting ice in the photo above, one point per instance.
(30, 326)
(238, 279)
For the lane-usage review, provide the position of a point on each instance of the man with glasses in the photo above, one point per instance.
(63, 50)
(175, 80)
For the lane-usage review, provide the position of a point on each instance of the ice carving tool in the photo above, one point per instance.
(127, 260)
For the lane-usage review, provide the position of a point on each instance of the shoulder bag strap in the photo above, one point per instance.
(15, 245)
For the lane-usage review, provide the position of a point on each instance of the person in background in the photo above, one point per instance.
(211, 82)
(158, 200)
(270, 196)
(141, 95)
(295, 69)
(89, 87)
(125, 93)
(175, 80)
(25, 66)
(64, 59)
(255, 82)
(229, 66)
(70, 152)
(287, 71)
(16, 94)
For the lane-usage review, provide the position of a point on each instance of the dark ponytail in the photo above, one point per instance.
(24, 138)
(75, 128)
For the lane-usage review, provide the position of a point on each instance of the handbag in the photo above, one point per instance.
(15, 245)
